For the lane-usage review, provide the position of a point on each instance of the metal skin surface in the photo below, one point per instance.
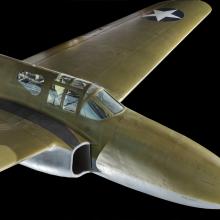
(21, 138)
(97, 133)
(127, 147)
(58, 161)
(161, 162)
(129, 48)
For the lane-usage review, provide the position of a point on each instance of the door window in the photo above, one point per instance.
(55, 95)
(71, 100)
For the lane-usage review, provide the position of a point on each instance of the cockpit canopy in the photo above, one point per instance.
(81, 97)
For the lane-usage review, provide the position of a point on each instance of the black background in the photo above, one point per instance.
(182, 93)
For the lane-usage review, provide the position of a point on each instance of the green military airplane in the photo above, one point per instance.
(57, 105)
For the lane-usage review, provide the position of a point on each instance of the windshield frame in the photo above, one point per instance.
(93, 97)
(86, 92)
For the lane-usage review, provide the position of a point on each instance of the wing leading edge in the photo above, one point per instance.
(21, 137)
(120, 55)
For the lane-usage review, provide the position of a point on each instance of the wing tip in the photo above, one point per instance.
(207, 5)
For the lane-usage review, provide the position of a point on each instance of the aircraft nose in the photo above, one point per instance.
(156, 160)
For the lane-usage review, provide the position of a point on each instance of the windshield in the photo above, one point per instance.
(101, 106)
(109, 102)
(93, 111)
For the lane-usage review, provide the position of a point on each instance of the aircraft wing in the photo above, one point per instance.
(23, 134)
(120, 55)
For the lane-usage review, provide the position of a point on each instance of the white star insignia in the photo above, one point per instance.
(160, 15)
